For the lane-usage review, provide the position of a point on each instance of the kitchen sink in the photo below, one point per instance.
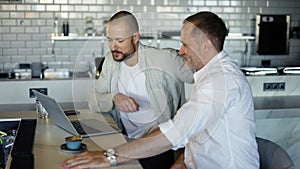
(291, 70)
(256, 71)
(250, 71)
(63, 74)
(49, 74)
(57, 74)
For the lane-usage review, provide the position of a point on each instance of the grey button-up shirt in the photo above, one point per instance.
(165, 73)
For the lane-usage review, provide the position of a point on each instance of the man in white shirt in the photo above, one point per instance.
(216, 126)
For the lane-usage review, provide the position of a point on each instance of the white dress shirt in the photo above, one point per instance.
(217, 125)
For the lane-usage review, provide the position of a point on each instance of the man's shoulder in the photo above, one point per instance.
(109, 61)
(109, 58)
(164, 51)
(171, 50)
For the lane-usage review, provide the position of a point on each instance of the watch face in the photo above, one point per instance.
(110, 152)
(111, 156)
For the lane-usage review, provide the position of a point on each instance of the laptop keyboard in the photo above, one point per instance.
(83, 129)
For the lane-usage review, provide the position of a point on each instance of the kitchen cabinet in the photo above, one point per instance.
(71, 93)
(278, 112)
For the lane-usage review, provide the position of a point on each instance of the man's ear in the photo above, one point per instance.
(208, 44)
(204, 45)
(136, 36)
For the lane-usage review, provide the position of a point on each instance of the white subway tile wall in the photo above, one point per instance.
(26, 27)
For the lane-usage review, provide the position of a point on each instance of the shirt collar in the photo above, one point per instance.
(209, 65)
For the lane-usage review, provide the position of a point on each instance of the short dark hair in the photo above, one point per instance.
(212, 25)
(127, 17)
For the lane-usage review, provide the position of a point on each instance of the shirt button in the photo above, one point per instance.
(190, 165)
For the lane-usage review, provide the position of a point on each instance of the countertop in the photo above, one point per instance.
(277, 107)
(49, 137)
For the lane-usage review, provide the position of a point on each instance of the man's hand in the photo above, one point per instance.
(125, 103)
(90, 159)
(179, 163)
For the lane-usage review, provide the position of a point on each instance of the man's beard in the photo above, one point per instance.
(125, 55)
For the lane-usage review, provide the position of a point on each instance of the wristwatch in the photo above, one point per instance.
(111, 156)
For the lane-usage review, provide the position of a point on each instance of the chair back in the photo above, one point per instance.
(272, 156)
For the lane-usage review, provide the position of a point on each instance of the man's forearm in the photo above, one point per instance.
(151, 144)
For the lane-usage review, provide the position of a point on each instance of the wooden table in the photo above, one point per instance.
(49, 137)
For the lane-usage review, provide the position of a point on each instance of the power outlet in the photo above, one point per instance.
(41, 90)
(277, 86)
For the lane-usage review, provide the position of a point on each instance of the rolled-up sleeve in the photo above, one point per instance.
(173, 135)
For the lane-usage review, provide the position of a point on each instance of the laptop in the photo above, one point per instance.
(82, 127)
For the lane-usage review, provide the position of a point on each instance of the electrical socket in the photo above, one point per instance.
(41, 90)
(277, 86)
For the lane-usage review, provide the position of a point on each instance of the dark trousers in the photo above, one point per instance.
(162, 161)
